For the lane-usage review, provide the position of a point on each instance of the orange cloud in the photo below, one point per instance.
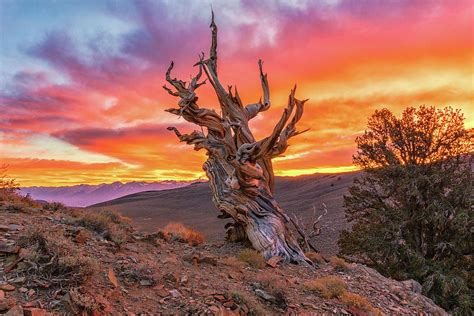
(106, 120)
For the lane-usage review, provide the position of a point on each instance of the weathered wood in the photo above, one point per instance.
(239, 167)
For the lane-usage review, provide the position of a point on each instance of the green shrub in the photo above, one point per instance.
(412, 207)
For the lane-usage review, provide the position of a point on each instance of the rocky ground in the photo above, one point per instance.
(61, 262)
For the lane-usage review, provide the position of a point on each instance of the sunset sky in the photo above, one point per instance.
(80, 81)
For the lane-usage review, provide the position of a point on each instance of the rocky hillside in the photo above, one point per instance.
(83, 262)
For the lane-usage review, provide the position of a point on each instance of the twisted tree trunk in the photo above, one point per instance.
(239, 168)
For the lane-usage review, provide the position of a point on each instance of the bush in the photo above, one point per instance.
(82, 301)
(253, 258)
(272, 285)
(108, 224)
(55, 258)
(249, 301)
(359, 302)
(327, 287)
(54, 206)
(183, 234)
(412, 207)
(315, 257)
(339, 264)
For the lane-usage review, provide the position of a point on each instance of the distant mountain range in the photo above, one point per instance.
(85, 194)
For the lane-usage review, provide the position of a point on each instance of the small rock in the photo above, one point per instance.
(228, 304)
(23, 289)
(31, 292)
(2, 294)
(146, 282)
(14, 227)
(7, 287)
(220, 298)
(3, 228)
(35, 312)
(162, 292)
(184, 279)
(208, 260)
(413, 285)
(175, 293)
(214, 309)
(112, 277)
(7, 248)
(15, 311)
(273, 261)
(265, 295)
(18, 280)
(7, 303)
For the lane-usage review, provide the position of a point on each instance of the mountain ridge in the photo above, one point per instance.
(82, 195)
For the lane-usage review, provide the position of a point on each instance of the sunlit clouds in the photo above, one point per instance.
(81, 98)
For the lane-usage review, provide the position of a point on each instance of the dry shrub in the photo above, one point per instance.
(54, 206)
(232, 262)
(13, 202)
(315, 257)
(273, 285)
(269, 281)
(359, 302)
(9, 196)
(182, 233)
(253, 258)
(339, 264)
(53, 257)
(327, 287)
(82, 301)
(109, 224)
(134, 273)
(253, 306)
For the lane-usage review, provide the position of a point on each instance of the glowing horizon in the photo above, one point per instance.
(81, 99)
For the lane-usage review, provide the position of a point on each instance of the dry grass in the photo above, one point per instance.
(13, 202)
(339, 264)
(82, 301)
(134, 273)
(253, 258)
(54, 258)
(232, 262)
(359, 302)
(249, 301)
(182, 233)
(273, 285)
(327, 287)
(109, 224)
(315, 257)
(269, 281)
(54, 206)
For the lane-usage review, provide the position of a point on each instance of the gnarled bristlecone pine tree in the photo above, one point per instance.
(239, 167)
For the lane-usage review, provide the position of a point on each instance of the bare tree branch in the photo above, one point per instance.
(253, 109)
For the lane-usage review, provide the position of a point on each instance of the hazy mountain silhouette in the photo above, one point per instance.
(85, 194)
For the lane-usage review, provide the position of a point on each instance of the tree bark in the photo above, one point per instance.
(239, 167)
